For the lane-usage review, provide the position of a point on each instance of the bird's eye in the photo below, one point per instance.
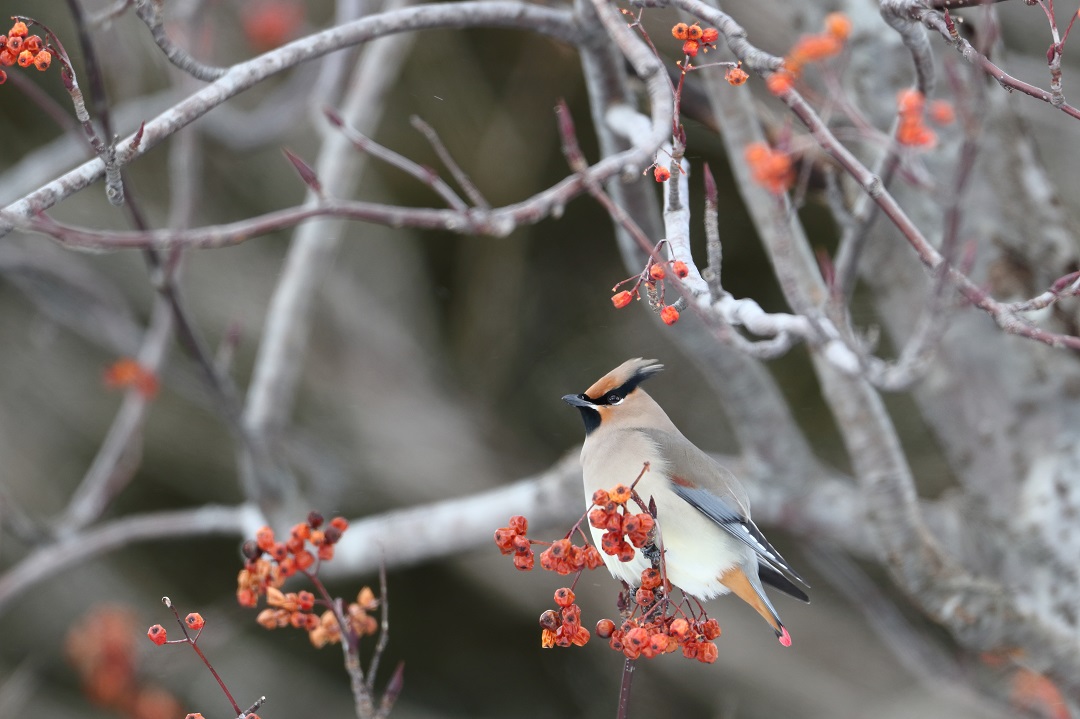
(614, 399)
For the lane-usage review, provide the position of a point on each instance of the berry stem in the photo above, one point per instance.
(205, 660)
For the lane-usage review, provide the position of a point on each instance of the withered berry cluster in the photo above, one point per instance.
(652, 624)
(21, 48)
(650, 636)
(269, 562)
(695, 38)
(563, 628)
(653, 279)
(622, 530)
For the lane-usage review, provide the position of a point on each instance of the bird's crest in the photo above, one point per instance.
(625, 378)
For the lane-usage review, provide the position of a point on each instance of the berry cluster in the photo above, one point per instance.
(651, 637)
(294, 609)
(695, 38)
(622, 530)
(284, 558)
(810, 49)
(653, 279)
(562, 556)
(269, 562)
(911, 107)
(512, 539)
(101, 648)
(647, 629)
(21, 48)
(563, 628)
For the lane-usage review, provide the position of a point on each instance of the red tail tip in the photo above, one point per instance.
(784, 637)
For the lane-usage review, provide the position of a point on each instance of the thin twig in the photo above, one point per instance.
(459, 175)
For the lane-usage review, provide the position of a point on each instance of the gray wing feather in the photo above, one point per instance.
(718, 495)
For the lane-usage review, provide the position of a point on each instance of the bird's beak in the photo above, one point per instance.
(578, 401)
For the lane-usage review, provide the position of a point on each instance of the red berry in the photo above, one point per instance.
(650, 578)
(621, 299)
(564, 596)
(656, 272)
(157, 634)
(669, 315)
(194, 621)
(605, 628)
(680, 269)
(519, 524)
(662, 174)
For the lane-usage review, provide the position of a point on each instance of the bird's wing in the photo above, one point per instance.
(715, 492)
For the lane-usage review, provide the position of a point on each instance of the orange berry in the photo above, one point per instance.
(564, 596)
(318, 537)
(547, 639)
(14, 43)
(7, 57)
(780, 82)
(838, 25)
(680, 269)
(600, 497)
(942, 113)
(620, 494)
(621, 299)
(679, 32)
(736, 76)
(303, 560)
(524, 562)
(157, 634)
(656, 272)
(707, 653)
(194, 621)
(305, 600)
(264, 537)
(194, 715)
(644, 597)
(339, 523)
(626, 552)
(519, 524)
(25, 58)
(246, 598)
(661, 174)
(270, 23)
(694, 32)
(326, 552)
(910, 101)
(669, 315)
(19, 29)
(278, 551)
(34, 44)
(3, 77)
(581, 637)
(690, 47)
(300, 531)
(711, 629)
(593, 559)
(605, 628)
(650, 578)
(710, 35)
(770, 168)
(814, 48)
(598, 518)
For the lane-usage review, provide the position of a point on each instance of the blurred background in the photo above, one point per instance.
(434, 370)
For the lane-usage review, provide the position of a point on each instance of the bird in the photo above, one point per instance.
(710, 545)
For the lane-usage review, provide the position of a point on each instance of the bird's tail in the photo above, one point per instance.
(747, 587)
